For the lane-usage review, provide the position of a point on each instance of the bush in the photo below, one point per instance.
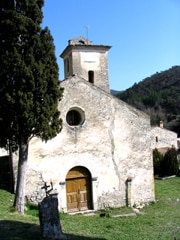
(157, 162)
(166, 165)
(170, 162)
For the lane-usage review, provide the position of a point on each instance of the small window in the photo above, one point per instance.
(156, 139)
(91, 76)
(75, 117)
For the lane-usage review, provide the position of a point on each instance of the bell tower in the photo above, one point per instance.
(87, 61)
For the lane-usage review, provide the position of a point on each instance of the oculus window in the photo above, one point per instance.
(75, 117)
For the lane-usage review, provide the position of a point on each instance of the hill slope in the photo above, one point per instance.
(158, 96)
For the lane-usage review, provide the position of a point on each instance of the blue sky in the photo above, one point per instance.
(144, 34)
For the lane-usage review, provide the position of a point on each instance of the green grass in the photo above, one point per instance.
(160, 221)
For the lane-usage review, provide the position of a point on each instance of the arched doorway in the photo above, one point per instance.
(78, 189)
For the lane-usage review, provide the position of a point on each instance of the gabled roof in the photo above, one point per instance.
(76, 79)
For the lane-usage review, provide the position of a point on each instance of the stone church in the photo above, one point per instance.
(163, 139)
(103, 156)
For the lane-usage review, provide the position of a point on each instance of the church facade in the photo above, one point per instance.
(103, 156)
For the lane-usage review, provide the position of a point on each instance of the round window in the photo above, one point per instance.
(75, 117)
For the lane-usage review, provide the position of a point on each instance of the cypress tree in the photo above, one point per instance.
(29, 86)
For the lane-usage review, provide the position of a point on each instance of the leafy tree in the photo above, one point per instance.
(29, 86)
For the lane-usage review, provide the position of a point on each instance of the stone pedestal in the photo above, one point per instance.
(49, 218)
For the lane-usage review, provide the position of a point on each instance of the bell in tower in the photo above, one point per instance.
(87, 61)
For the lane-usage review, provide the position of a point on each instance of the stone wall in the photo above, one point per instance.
(111, 200)
(34, 184)
(34, 181)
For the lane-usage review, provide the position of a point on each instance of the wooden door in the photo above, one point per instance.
(78, 189)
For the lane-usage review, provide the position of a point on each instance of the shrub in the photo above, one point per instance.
(157, 162)
(170, 162)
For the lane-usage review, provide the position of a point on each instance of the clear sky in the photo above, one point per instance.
(144, 34)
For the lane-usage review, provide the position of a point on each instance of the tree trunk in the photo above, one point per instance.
(21, 176)
(11, 168)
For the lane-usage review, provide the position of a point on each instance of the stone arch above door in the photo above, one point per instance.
(78, 189)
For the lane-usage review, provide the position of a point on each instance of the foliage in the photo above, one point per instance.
(32, 209)
(158, 96)
(166, 165)
(29, 80)
(156, 221)
(157, 161)
(170, 162)
(29, 86)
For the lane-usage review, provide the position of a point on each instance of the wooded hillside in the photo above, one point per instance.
(158, 96)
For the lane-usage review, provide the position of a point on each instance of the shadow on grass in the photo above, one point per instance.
(14, 230)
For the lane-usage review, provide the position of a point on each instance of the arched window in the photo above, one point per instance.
(91, 76)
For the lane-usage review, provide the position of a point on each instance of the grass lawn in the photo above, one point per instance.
(158, 221)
